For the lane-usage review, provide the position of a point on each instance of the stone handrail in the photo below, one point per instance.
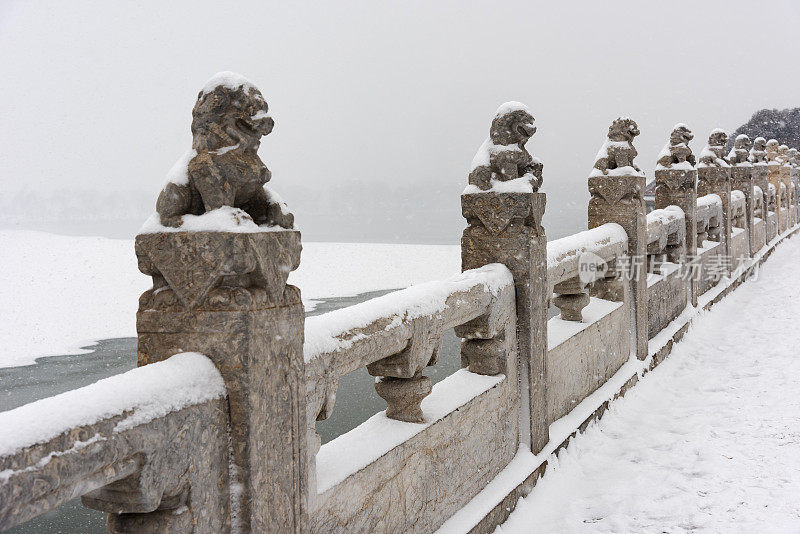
(400, 330)
(666, 236)
(709, 218)
(567, 256)
(758, 202)
(146, 440)
(738, 206)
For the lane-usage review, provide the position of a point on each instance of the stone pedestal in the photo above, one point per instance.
(742, 180)
(225, 295)
(717, 180)
(506, 228)
(677, 187)
(619, 199)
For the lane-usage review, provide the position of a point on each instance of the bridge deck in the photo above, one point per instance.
(710, 440)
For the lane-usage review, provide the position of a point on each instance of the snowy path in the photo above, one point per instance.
(709, 441)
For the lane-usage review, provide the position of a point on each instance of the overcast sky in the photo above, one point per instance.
(376, 103)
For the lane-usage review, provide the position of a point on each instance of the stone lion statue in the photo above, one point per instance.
(741, 150)
(772, 150)
(228, 121)
(758, 154)
(678, 150)
(618, 151)
(503, 155)
(714, 154)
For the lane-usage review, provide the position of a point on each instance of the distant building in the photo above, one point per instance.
(650, 196)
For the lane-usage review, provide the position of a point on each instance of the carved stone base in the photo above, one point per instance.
(225, 295)
(404, 396)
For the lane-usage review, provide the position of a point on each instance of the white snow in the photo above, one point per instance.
(148, 392)
(510, 107)
(64, 292)
(560, 330)
(707, 442)
(573, 245)
(348, 453)
(228, 79)
(709, 200)
(179, 173)
(224, 219)
(323, 332)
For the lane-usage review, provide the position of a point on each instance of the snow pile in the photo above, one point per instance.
(224, 219)
(737, 196)
(148, 392)
(665, 215)
(571, 246)
(343, 456)
(65, 292)
(179, 173)
(324, 332)
(510, 107)
(709, 200)
(706, 442)
(229, 80)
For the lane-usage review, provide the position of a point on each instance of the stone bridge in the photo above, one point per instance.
(215, 431)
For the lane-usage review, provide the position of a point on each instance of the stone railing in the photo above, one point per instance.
(228, 442)
(360, 475)
(150, 440)
(585, 321)
(667, 289)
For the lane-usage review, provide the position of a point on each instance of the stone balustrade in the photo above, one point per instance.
(227, 441)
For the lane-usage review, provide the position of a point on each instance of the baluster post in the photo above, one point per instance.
(616, 186)
(504, 210)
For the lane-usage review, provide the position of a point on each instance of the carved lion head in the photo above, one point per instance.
(513, 127)
(718, 138)
(226, 117)
(681, 134)
(623, 129)
(759, 144)
(742, 142)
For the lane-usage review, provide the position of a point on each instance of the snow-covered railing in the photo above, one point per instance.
(395, 337)
(151, 438)
(666, 237)
(758, 202)
(574, 368)
(405, 326)
(575, 261)
(738, 209)
(228, 443)
(709, 218)
(666, 249)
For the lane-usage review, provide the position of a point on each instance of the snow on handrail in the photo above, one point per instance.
(607, 241)
(143, 394)
(664, 225)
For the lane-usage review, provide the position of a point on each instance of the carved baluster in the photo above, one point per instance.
(402, 384)
(611, 286)
(571, 299)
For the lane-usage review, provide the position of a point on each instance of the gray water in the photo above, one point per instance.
(356, 401)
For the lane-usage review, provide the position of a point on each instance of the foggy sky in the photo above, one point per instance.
(379, 106)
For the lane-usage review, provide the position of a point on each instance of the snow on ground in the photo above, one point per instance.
(61, 293)
(709, 441)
